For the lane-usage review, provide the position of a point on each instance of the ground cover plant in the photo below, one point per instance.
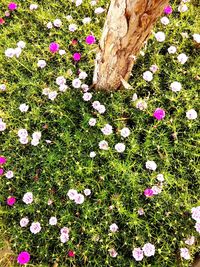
(91, 178)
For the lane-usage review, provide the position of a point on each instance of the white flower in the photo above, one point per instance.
(18, 51)
(190, 241)
(2, 87)
(69, 17)
(176, 86)
(64, 230)
(92, 122)
(156, 190)
(101, 109)
(64, 238)
(49, 25)
(82, 75)
(164, 20)
(93, 3)
(103, 145)
(72, 27)
(36, 135)
(160, 177)
(52, 95)
(87, 192)
(196, 37)
(182, 8)
(72, 193)
(76, 83)
(134, 97)
(9, 174)
(148, 76)
(28, 198)
(41, 63)
(160, 36)
(21, 44)
(113, 228)
(63, 87)
(92, 154)
(79, 199)
(191, 114)
(23, 107)
(120, 147)
(2, 126)
(79, 2)
(34, 142)
(185, 253)
(182, 58)
(46, 91)
(87, 96)
(151, 165)
(22, 133)
(172, 49)
(53, 221)
(24, 222)
(153, 68)
(125, 132)
(138, 254)
(107, 129)
(10, 52)
(184, 35)
(57, 23)
(86, 20)
(33, 6)
(23, 140)
(149, 249)
(98, 10)
(60, 80)
(113, 253)
(141, 104)
(96, 105)
(35, 227)
(62, 52)
(85, 87)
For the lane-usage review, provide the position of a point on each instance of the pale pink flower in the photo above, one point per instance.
(197, 227)
(113, 253)
(120, 147)
(53, 221)
(60, 80)
(22, 133)
(23, 140)
(160, 177)
(190, 240)
(103, 145)
(52, 95)
(107, 129)
(113, 228)
(125, 132)
(156, 190)
(196, 213)
(92, 122)
(2, 126)
(64, 238)
(64, 230)
(151, 165)
(185, 253)
(72, 193)
(160, 36)
(87, 192)
(24, 222)
(35, 227)
(87, 96)
(79, 199)
(148, 76)
(9, 174)
(28, 198)
(101, 109)
(96, 104)
(149, 249)
(92, 154)
(138, 254)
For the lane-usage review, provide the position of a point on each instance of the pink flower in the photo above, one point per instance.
(168, 10)
(12, 6)
(2, 21)
(1, 171)
(23, 257)
(76, 56)
(148, 192)
(2, 160)
(71, 253)
(11, 201)
(90, 39)
(149, 249)
(54, 47)
(159, 114)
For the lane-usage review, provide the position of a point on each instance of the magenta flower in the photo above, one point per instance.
(168, 10)
(12, 6)
(53, 47)
(2, 160)
(11, 201)
(1, 171)
(23, 258)
(77, 56)
(148, 192)
(90, 39)
(159, 114)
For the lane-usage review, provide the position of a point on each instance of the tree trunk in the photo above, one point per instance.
(128, 25)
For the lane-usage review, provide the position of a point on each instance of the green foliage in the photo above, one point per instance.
(117, 180)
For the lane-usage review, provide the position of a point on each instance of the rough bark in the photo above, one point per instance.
(127, 27)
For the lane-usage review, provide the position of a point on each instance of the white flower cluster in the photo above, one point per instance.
(11, 52)
(77, 197)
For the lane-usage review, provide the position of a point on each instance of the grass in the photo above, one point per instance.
(117, 180)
